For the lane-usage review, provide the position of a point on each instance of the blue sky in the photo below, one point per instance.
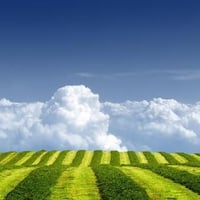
(120, 49)
(134, 67)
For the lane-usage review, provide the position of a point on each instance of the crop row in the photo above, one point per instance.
(37, 185)
(114, 184)
(185, 178)
(115, 158)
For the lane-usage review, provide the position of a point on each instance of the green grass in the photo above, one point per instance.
(170, 159)
(124, 158)
(141, 157)
(69, 158)
(9, 179)
(99, 175)
(157, 187)
(96, 159)
(37, 185)
(133, 158)
(115, 158)
(185, 178)
(114, 184)
(105, 159)
(150, 157)
(33, 158)
(76, 183)
(160, 158)
(78, 158)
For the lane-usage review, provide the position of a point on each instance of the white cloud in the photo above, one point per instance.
(159, 124)
(75, 119)
(71, 119)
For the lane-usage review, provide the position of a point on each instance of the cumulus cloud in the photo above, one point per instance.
(71, 119)
(158, 125)
(74, 118)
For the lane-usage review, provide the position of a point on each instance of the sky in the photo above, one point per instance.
(121, 51)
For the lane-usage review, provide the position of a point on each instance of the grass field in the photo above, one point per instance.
(99, 175)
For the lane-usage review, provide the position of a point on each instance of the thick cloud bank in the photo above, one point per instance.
(71, 119)
(75, 119)
(157, 125)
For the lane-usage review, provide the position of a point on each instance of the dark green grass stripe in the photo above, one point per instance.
(171, 160)
(133, 158)
(18, 157)
(60, 158)
(36, 186)
(191, 160)
(113, 184)
(30, 161)
(78, 158)
(115, 158)
(4, 155)
(150, 158)
(96, 158)
(45, 158)
(185, 178)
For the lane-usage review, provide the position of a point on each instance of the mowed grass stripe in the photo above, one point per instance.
(78, 158)
(76, 183)
(158, 187)
(4, 155)
(195, 156)
(124, 158)
(150, 157)
(96, 159)
(33, 158)
(179, 158)
(141, 157)
(105, 159)
(115, 158)
(192, 170)
(190, 159)
(16, 158)
(53, 158)
(69, 157)
(87, 159)
(60, 158)
(9, 179)
(160, 158)
(9, 157)
(25, 158)
(38, 159)
(170, 159)
(185, 178)
(114, 184)
(37, 185)
(133, 157)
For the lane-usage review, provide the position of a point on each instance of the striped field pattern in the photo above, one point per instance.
(79, 175)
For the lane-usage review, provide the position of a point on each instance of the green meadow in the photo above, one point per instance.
(99, 175)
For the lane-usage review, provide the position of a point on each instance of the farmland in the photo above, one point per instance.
(99, 175)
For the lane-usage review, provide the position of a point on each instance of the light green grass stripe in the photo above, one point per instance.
(179, 158)
(10, 178)
(124, 158)
(25, 158)
(158, 187)
(39, 158)
(53, 158)
(77, 183)
(105, 159)
(69, 157)
(87, 159)
(195, 156)
(192, 170)
(8, 158)
(141, 157)
(160, 159)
